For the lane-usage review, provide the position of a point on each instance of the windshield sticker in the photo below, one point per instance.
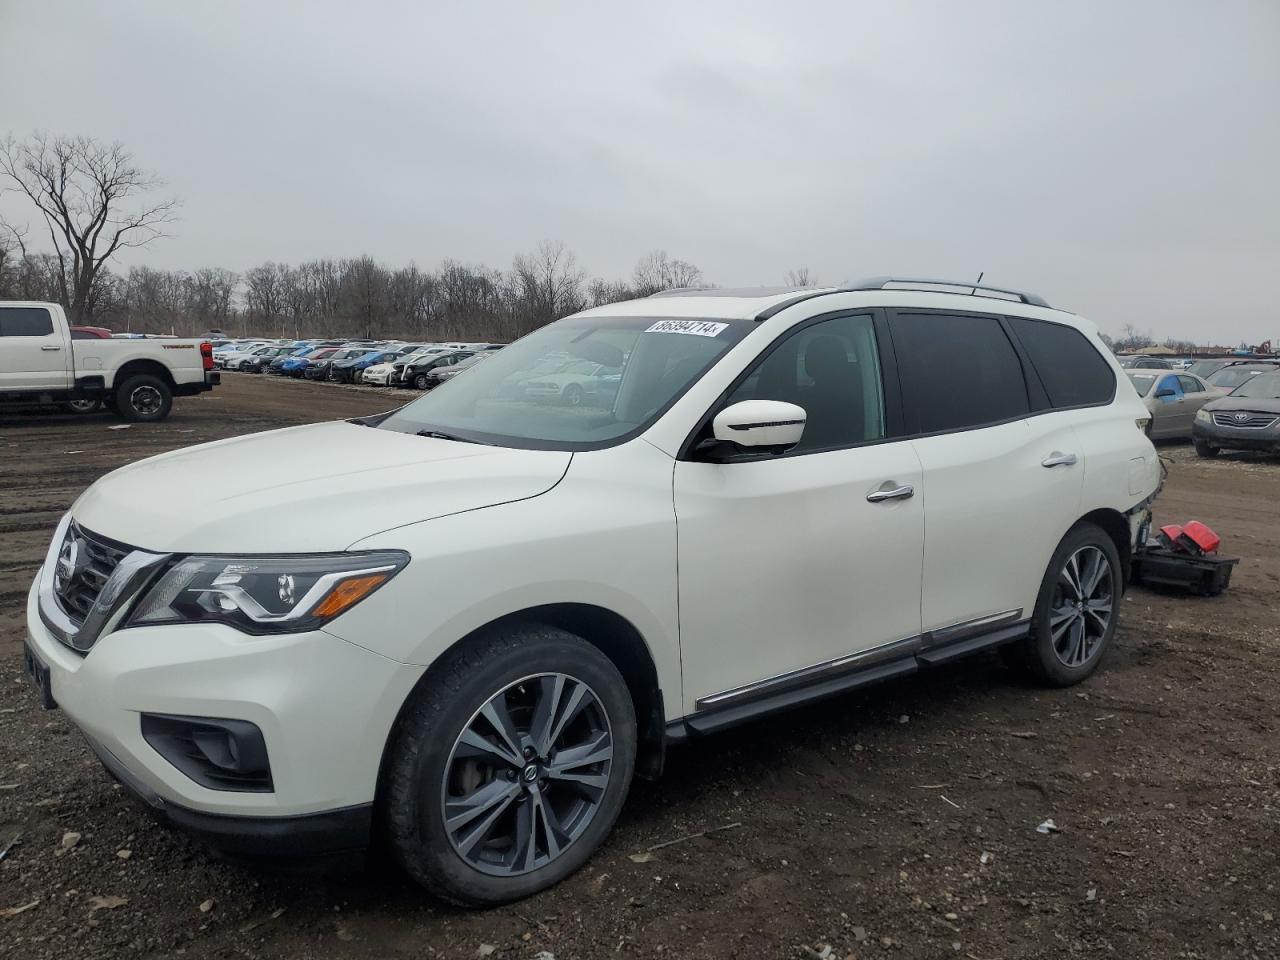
(698, 328)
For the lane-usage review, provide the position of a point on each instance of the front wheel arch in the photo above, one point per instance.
(409, 806)
(614, 636)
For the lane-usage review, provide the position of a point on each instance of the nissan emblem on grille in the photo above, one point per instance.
(71, 562)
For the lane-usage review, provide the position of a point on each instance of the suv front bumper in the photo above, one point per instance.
(324, 706)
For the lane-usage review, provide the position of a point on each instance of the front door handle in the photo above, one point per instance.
(51, 346)
(891, 490)
(1057, 459)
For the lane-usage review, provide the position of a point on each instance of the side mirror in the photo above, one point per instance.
(767, 426)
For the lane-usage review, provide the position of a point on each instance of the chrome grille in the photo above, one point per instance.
(85, 563)
(1244, 419)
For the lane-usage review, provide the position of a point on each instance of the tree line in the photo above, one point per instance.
(91, 201)
(344, 297)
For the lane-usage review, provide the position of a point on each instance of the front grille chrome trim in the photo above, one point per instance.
(1254, 421)
(121, 588)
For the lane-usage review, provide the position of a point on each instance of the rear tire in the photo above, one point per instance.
(1076, 611)
(83, 406)
(538, 816)
(144, 398)
(1205, 450)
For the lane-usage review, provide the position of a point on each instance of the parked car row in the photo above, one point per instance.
(419, 366)
(561, 380)
(1237, 406)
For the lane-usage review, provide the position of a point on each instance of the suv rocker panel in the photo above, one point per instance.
(817, 682)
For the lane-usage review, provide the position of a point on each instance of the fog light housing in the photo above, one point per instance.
(217, 754)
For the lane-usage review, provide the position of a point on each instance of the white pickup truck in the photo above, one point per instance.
(41, 361)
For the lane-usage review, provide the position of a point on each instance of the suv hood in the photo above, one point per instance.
(315, 488)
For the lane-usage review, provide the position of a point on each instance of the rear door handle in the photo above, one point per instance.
(1057, 459)
(51, 346)
(891, 490)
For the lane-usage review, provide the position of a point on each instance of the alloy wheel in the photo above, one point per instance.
(146, 400)
(527, 774)
(1082, 607)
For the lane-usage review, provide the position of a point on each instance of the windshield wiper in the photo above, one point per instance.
(440, 435)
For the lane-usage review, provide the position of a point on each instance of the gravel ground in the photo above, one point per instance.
(899, 821)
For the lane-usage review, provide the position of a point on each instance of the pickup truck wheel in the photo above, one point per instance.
(509, 765)
(1076, 611)
(144, 398)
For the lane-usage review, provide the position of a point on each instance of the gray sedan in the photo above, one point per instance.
(1248, 419)
(1173, 399)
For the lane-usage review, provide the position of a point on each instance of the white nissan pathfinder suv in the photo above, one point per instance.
(472, 620)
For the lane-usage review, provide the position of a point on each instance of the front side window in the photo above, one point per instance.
(25, 322)
(958, 370)
(1170, 387)
(576, 384)
(832, 370)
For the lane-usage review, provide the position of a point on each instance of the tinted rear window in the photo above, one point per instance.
(958, 370)
(25, 322)
(1074, 374)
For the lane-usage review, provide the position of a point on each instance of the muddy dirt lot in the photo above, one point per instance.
(900, 821)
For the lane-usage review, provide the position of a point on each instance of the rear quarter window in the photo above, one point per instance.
(1072, 371)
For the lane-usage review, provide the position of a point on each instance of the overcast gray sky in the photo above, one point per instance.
(1121, 158)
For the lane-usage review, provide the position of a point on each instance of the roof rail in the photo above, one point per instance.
(677, 292)
(879, 283)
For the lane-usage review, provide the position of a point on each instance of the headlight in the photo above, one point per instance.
(266, 594)
(1203, 415)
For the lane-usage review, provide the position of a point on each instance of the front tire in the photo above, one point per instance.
(1205, 450)
(1076, 610)
(144, 398)
(421, 381)
(84, 406)
(509, 766)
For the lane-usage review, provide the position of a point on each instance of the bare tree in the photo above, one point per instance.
(1132, 339)
(546, 285)
(264, 297)
(656, 271)
(800, 278)
(86, 192)
(208, 297)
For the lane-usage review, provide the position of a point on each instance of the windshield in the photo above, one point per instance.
(1232, 377)
(1205, 368)
(577, 384)
(1264, 386)
(1142, 382)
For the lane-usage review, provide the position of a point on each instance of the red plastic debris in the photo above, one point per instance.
(1169, 536)
(1197, 538)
